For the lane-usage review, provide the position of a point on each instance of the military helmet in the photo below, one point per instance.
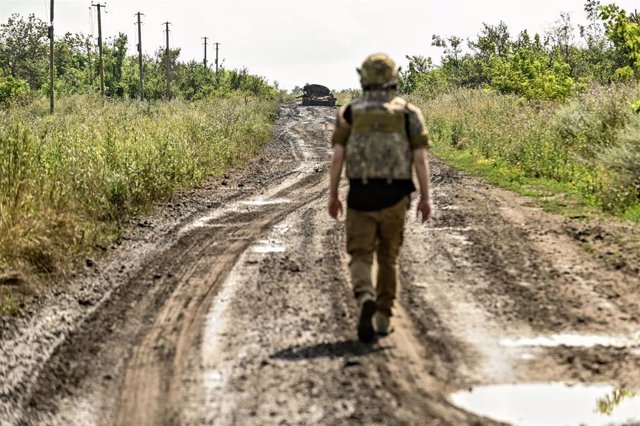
(378, 71)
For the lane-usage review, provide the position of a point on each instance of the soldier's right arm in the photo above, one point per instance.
(343, 128)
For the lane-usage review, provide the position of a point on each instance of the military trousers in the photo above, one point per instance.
(379, 232)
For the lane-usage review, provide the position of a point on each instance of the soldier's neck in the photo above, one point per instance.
(382, 95)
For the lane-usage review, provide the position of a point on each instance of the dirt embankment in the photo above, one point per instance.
(233, 306)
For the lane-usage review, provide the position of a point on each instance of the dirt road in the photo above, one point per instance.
(232, 306)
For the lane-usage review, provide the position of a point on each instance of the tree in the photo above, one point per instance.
(72, 64)
(115, 53)
(23, 49)
(530, 71)
(624, 32)
(451, 46)
(492, 41)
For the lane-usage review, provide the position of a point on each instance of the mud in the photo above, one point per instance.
(231, 305)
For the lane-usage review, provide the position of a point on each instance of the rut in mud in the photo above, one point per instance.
(239, 311)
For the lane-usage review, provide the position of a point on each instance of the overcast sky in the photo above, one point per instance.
(299, 41)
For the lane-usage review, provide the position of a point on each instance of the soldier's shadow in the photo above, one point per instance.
(340, 349)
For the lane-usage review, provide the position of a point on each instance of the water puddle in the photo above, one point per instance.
(265, 201)
(213, 379)
(268, 246)
(573, 340)
(552, 404)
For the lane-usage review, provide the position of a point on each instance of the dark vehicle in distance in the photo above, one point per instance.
(317, 95)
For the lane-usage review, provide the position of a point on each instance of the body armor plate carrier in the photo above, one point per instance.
(378, 147)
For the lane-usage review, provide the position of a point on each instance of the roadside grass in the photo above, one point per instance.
(580, 157)
(553, 196)
(71, 180)
(344, 97)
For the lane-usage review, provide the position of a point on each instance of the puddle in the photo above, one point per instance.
(552, 404)
(265, 202)
(213, 379)
(573, 340)
(267, 246)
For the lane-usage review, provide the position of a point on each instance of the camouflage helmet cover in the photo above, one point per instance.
(378, 71)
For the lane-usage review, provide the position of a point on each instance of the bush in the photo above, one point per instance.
(12, 91)
(622, 163)
(67, 180)
(592, 121)
(591, 142)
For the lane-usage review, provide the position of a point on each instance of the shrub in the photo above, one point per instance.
(591, 142)
(622, 163)
(67, 180)
(12, 90)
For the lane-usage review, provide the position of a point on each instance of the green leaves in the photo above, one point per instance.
(527, 72)
(624, 31)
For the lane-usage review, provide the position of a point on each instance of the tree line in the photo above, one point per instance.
(540, 67)
(24, 68)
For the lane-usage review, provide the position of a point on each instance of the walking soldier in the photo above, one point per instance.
(381, 138)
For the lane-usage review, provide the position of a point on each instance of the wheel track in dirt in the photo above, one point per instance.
(159, 311)
(150, 392)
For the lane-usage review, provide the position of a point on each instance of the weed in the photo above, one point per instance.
(586, 147)
(71, 179)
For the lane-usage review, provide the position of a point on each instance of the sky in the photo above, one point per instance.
(295, 42)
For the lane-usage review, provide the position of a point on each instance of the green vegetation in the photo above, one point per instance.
(587, 147)
(69, 180)
(541, 115)
(24, 68)
(345, 96)
(609, 403)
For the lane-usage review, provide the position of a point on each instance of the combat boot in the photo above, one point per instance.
(366, 333)
(382, 321)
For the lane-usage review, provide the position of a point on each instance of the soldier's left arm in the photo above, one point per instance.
(418, 133)
(420, 141)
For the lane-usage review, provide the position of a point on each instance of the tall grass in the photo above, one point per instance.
(72, 179)
(590, 143)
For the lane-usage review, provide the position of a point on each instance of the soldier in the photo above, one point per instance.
(379, 136)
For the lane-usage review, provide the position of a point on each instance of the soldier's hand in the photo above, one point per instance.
(425, 208)
(335, 207)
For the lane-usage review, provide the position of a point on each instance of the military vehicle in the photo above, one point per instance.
(317, 95)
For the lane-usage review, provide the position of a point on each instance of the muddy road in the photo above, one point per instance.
(232, 306)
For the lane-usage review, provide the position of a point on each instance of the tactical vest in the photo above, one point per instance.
(378, 147)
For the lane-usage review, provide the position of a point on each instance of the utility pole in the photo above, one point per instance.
(140, 56)
(51, 74)
(205, 51)
(167, 63)
(101, 63)
(217, 44)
